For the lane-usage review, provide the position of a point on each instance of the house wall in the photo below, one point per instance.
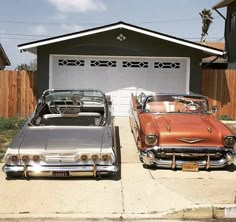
(230, 36)
(2, 65)
(136, 44)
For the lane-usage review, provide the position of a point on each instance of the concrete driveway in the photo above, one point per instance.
(140, 193)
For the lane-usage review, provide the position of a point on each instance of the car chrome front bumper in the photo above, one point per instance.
(176, 161)
(58, 171)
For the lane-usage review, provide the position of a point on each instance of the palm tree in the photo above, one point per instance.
(207, 18)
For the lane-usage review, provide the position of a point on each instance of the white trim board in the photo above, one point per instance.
(32, 45)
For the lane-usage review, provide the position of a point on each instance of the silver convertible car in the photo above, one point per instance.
(71, 133)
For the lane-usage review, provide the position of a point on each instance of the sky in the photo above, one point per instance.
(23, 21)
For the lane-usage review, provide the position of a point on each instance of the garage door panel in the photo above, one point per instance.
(119, 76)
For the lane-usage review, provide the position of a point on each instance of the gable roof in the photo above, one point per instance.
(32, 46)
(222, 3)
(4, 57)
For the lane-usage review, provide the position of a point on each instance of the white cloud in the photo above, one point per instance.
(39, 30)
(78, 5)
(71, 28)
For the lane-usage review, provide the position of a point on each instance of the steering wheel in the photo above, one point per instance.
(191, 106)
(54, 108)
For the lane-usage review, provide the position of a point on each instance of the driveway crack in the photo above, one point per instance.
(122, 198)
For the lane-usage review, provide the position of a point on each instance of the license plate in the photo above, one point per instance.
(60, 174)
(190, 167)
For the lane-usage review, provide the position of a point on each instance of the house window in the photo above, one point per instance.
(166, 65)
(70, 62)
(134, 64)
(103, 63)
(233, 22)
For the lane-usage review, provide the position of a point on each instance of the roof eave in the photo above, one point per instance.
(6, 59)
(222, 4)
(32, 47)
(67, 37)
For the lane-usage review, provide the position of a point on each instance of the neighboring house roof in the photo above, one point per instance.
(222, 3)
(214, 59)
(217, 45)
(32, 46)
(3, 57)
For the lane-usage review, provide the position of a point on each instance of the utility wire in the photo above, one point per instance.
(4, 33)
(17, 39)
(192, 38)
(40, 23)
(95, 23)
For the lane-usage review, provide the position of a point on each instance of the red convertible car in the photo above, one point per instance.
(180, 132)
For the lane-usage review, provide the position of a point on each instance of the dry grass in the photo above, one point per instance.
(6, 136)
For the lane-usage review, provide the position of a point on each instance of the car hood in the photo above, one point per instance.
(66, 138)
(190, 129)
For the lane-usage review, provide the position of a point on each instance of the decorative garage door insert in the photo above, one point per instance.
(119, 76)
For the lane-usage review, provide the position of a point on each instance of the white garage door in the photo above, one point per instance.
(119, 76)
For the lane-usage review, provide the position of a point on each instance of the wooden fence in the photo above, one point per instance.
(17, 93)
(220, 87)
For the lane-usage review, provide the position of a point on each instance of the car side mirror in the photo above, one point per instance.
(214, 109)
(40, 100)
(139, 106)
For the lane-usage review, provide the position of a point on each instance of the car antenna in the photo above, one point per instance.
(136, 91)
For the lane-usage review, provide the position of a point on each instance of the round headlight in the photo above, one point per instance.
(229, 141)
(150, 140)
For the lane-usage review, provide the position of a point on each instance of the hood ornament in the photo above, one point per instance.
(168, 128)
(209, 129)
(190, 140)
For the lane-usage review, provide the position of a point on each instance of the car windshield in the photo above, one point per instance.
(176, 104)
(91, 96)
(71, 108)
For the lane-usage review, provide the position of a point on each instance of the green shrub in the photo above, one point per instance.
(11, 123)
(224, 117)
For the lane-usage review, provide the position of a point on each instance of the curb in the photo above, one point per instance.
(201, 212)
(215, 211)
(228, 121)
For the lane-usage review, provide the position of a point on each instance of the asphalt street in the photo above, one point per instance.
(140, 193)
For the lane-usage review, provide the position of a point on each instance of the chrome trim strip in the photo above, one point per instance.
(73, 170)
(203, 164)
(178, 163)
(190, 140)
(169, 150)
